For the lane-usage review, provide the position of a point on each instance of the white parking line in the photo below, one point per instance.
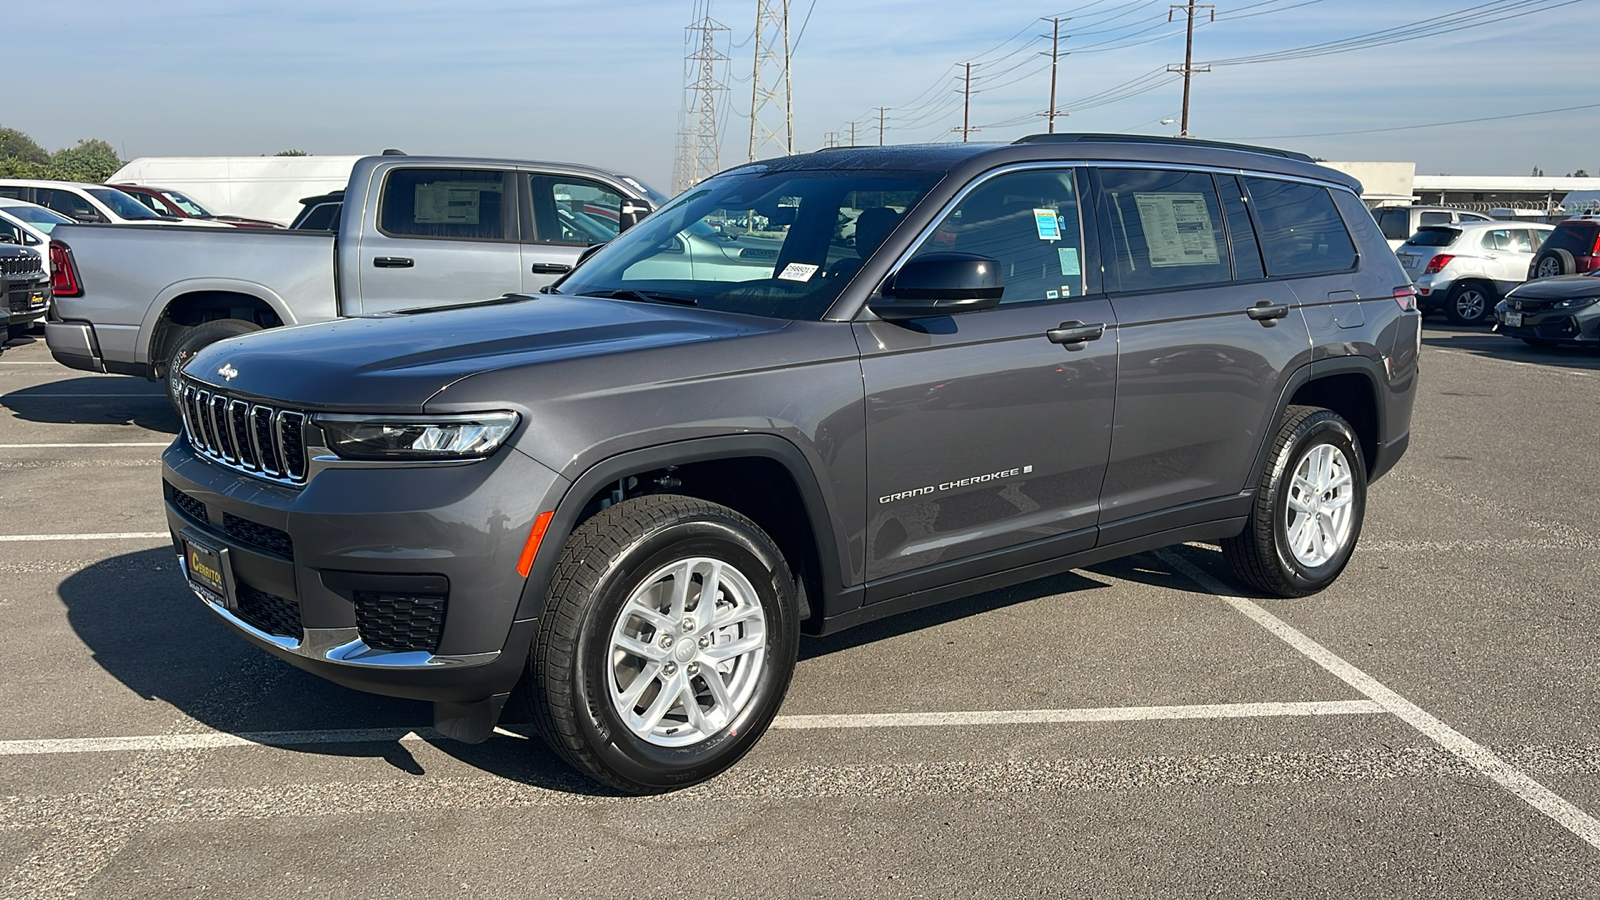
(102, 536)
(213, 740)
(1553, 366)
(27, 362)
(1479, 757)
(73, 446)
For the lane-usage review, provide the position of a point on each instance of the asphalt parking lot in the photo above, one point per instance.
(1430, 726)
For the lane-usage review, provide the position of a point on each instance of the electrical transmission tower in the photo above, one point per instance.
(1188, 68)
(703, 142)
(770, 93)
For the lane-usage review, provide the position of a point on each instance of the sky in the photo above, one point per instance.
(602, 81)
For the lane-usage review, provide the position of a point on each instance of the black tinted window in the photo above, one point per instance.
(1434, 218)
(574, 211)
(1394, 223)
(1301, 231)
(1028, 223)
(444, 203)
(1166, 229)
(1434, 237)
(322, 217)
(1241, 234)
(1576, 238)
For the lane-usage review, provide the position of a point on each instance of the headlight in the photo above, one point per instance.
(463, 436)
(1575, 302)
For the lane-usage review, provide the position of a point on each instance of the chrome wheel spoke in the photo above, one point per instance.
(630, 696)
(680, 591)
(639, 648)
(710, 583)
(671, 691)
(734, 649)
(719, 690)
(1320, 504)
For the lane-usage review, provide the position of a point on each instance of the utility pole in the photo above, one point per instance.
(1188, 68)
(830, 139)
(852, 134)
(966, 105)
(708, 140)
(881, 111)
(769, 81)
(1055, 56)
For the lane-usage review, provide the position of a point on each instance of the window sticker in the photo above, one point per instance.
(1052, 295)
(443, 202)
(1178, 229)
(1069, 260)
(798, 272)
(1066, 290)
(1049, 226)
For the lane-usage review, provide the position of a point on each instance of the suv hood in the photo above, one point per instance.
(395, 362)
(1562, 287)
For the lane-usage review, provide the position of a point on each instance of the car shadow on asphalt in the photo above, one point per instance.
(91, 401)
(146, 629)
(1479, 341)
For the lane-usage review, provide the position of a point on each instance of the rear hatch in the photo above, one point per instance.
(1428, 242)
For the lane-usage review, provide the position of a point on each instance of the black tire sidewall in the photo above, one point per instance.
(646, 765)
(197, 338)
(1322, 428)
(1452, 309)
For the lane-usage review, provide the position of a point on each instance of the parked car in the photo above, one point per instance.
(1573, 248)
(1564, 309)
(1465, 269)
(168, 202)
(29, 225)
(320, 213)
(1399, 223)
(90, 203)
(24, 286)
(624, 499)
(432, 231)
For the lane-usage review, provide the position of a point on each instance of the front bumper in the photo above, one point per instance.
(27, 302)
(1555, 325)
(394, 580)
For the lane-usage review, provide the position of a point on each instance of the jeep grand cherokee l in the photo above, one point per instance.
(627, 497)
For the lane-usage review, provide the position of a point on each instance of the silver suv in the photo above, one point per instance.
(1465, 269)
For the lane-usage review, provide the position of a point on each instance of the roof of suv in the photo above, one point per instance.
(1053, 147)
(1491, 225)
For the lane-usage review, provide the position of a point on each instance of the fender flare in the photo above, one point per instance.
(163, 300)
(824, 533)
(1311, 371)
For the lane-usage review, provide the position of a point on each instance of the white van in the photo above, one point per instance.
(255, 187)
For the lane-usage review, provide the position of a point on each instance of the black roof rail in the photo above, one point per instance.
(1071, 138)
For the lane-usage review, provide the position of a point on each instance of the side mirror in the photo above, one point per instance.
(940, 284)
(85, 217)
(632, 212)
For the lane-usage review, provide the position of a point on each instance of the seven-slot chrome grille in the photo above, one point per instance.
(258, 439)
(29, 264)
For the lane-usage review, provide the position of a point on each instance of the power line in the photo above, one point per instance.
(1521, 115)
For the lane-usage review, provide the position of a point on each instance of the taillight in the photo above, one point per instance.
(1437, 263)
(64, 271)
(1406, 297)
(1595, 250)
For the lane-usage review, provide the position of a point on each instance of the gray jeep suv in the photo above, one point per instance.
(806, 394)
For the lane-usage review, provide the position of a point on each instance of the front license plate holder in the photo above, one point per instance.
(209, 569)
(1513, 320)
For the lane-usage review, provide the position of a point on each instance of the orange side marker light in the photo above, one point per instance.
(531, 549)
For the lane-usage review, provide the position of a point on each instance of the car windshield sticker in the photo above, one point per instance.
(1069, 260)
(798, 272)
(1052, 295)
(1049, 226)
(1178, 229)
(443, 202)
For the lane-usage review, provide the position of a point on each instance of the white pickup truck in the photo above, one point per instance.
(415, 232)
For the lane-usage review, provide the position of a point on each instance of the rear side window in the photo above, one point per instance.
(1300, 228)
(1394, 223)
(1435, 237)
(1166, 229)
(322, 217)
(1241, 234)
(464, 204)
(1573, 237)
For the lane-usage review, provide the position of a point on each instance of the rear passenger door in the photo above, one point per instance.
(566, 214)
(1205, 342)
(439, 236)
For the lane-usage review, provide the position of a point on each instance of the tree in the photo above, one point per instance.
(1578, 174)
(1537, 172)
(291, 153)
(92, 160)
(18, 147)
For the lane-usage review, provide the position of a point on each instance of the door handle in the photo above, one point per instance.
(1265, 311)
(550, 268)
(393, 262)
(1074, 334)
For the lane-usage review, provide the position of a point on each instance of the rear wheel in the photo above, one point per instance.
(1470, 303)
(666, 644)
(1308, 507)
(194, 339)
(1555, 262)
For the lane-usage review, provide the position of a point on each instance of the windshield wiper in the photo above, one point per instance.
(648, 297)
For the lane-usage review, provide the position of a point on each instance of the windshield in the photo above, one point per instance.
(188, 206)
(43, 219)
(121, 203)
(780, 244)
(1434, 237)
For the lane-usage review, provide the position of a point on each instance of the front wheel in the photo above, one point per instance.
(1470, 303)
(1308, 507)
(666, 644)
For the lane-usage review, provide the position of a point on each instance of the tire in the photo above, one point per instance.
(1555, 262)
(1470, 303)
(192, 340)
(1267, 554)
(606, 625)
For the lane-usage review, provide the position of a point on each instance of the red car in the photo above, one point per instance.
(168, 202)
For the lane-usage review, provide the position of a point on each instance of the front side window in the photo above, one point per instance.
(189, 207)
(1302, 232)
(148, 202)
(121, 203)
(576, 211)
(1028, 222)
(771, 243)
(464, 204)
(11, 234)
(1166, 229)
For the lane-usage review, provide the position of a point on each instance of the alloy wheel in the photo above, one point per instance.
(1318, 515)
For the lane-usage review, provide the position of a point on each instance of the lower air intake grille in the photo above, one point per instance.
(400, 621)
(261, 537)
(268, 612)
(186, 504)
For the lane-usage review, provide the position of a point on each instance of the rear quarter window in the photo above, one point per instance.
(1300, 228)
